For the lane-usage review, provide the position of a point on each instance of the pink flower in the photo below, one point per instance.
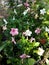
(37, 31)
(26, 4)
(23, 33)
(13, 40)
(23, 56)
(14, 31)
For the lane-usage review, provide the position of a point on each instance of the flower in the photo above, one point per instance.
(13, 17)
(19, 1)
(4, 27)
(23, 33)
(27, 33)
(15, 11)
(13, 40)
(23, 56)
(40, 51)
(19, 5)
(47, 29)
(47, 61)
(25, 12)
(42, 11)
(14, 31)
(3, 3)
(37, 31)
(26, 4)
(36, 16)
(5, 21)
(32, 39)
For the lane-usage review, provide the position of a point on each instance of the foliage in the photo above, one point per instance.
(25, 31)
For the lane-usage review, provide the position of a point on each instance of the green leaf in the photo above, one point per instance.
(2, 47)
(46, 22)
(36, 44)
(31, 61)
(8, 61)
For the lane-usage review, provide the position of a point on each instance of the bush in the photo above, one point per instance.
(24, 35)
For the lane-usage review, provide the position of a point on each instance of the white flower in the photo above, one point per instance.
(47, 61)
(40, 51)
(28, 33)
(47, 29)
(42, 11)
(13, 17)
(15, 11)
(19, 1)
(4, 27)
(2, 2)
(5, 21)
(25, 12)
(19, 5)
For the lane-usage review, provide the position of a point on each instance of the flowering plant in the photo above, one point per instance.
(24, 35)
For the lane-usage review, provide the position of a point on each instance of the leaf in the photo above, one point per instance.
(46, 22)
(2, 47)
(8, 61)
(36, 44)
(31, 61)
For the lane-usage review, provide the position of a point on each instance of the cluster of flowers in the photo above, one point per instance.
(27, 33)
(14, 32)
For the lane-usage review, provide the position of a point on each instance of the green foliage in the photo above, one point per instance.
(31, 61)
(31, 20)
